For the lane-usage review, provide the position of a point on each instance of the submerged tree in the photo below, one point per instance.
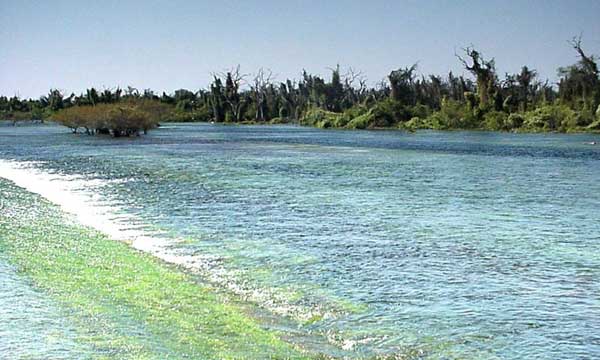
(118, 119)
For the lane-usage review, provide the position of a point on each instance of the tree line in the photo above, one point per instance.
(483, 100)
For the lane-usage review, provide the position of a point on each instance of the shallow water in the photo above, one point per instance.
(443, 244)
(32, 326)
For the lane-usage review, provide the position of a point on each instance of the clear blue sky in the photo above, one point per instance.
(166, 45)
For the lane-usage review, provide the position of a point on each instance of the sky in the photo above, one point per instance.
(167, 45)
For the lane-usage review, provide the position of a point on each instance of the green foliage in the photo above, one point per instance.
(283, 112)
(420, 111)
(386, 113)
(514, 121)
(402, 85)
(279, 120)
(484, 72)
(364, 121)
(351, 114)
(595, 126)
(413, 124)
(555, 117)
(453, 115)
(407, 100)
(202, 114)
(495, 120)
(320, 118)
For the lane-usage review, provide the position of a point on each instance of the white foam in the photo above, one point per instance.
(82, 198)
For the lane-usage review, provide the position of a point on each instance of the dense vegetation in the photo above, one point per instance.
(124, 118)
(519, 102)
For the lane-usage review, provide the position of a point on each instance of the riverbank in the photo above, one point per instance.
(124, 303)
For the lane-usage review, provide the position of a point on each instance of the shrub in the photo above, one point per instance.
(551, 117)
(119, 119)
(201, 114)
(436, 121)
(361, 122)
(389, 112)
(385, 113)
(420, 111)
(16, 116)
(453, 115)
(495, 120)
(595, 126)
(412, 124)
(351, 114)
(283, 112)
(279, 120)
(320, 118)
(514, 121)
(157, 110)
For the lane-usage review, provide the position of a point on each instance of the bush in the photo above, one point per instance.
(279, 120)
(157, 111)
(551, 117)
(595, 126)
(201, 114)
(361, 122)
(436, 121)
(412, 124)
(495, 120)
(16, 116)
(420, 111)
(389, 112)
(320, 118)
(385, 113)
(514, 121)
(120, 119)
(351, 114)
(453, 115)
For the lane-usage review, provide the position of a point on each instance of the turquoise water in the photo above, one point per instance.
(31, 326)
(441, 244)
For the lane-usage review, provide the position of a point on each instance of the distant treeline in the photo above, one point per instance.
(518, 102)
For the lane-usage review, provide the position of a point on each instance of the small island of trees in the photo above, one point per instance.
(518, 102)
(122, 118)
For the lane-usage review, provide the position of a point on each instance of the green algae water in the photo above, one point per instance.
(31, 326)
(433, 245)
(72, 293)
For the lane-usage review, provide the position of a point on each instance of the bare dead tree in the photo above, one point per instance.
(234, 79)
(484, 72)
(588, 62)
(261, 81)
(355, 83)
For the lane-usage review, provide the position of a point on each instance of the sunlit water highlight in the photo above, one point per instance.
(449, 244)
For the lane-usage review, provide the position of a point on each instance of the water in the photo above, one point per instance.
(439, 244)
(31, 326)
